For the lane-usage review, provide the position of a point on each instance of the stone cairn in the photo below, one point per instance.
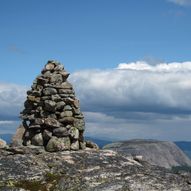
(51, 115)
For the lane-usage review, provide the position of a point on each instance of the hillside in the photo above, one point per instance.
(160, 153)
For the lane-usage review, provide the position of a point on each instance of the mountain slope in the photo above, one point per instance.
(160, 153)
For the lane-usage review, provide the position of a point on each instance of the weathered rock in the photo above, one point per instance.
(49, 66)
(56, 78)
(74, 132)
(58, 144)
(17, 139)
(49, 105)
(46, 135)
(87, 170)
(49, 91)
(75, 145)
(66, 85)
(160, 153)
(60, 132)
(3, 144)
(67, 120)
(66, 114)
(60, 105)
(91, 145)
(51, 123)
(37, 140)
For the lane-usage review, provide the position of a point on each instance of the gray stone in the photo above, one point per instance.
(67, 108)
(66, 85)
(39, 121)
(69, 120)
(74, 132)
(76, 103)
(49, 91)
(80, 124)
(43, 98)
(91, 145)
(46, 135)
(66, 114)
(75, 145)
(59, 67)
(47, 74)
(3, 144)
(56, 78)
(49, 105)
(56, 98)
(37, 140)
(60, 132)
(60, 105)
(33, 98)
(50, 66)
(82, 145)
(65, 91)
(51, 123)
(34, 126)
(42, 81)
(58, 144)
(64, 74)
(17, 139)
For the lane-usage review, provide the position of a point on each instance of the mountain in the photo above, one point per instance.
(185, 146)
(161, 153)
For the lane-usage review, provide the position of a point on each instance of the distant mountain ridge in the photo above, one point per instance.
(160, 153)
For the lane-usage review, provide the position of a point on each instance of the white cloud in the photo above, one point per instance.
(110, 128)
(6, 122)
(181, 2)
(137, 87)
(11, 100)
(137, 100)
(133, 100)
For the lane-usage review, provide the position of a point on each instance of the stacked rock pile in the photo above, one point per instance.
(52, 116)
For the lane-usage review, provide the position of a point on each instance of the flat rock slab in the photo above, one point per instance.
(34, 169)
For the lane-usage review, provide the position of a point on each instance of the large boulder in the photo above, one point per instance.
(3, 144)
(17, 139)
(161, 153)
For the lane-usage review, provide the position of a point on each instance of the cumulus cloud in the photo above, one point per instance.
(136, 87)
(11, 101)
(181, 2)
(133, 100)
(137, 100)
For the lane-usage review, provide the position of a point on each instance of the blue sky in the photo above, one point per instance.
(92, 38)
(89, 34)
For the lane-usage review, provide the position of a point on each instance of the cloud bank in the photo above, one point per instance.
(11, 101)
(133, 100)
(136, 87)
(137, 100)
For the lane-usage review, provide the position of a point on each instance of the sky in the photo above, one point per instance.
(129, 60)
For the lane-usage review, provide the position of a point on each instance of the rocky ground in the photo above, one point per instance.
(33, 169)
